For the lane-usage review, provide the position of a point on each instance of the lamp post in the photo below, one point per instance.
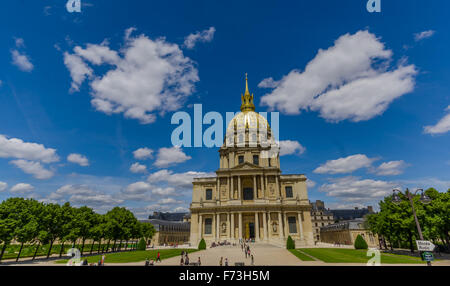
(423, 198)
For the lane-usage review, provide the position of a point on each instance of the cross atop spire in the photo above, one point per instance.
(247, 99)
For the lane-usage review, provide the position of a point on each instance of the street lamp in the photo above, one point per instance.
(423, 198)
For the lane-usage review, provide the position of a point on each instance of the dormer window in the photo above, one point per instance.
(241, 159)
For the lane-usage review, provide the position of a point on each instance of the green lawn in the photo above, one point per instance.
(135, 256)
(12, 251)
(342, 255)
(300, 255)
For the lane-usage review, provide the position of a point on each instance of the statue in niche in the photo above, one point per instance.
(274, 227)
(224, 228)
(271, 190)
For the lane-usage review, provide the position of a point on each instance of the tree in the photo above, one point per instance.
(148, 230)
(120, 224)
(142, 244)
(84, 217)
(27, 227)
(9, 221)
(290, 243)
(202, 244)
(360, 243)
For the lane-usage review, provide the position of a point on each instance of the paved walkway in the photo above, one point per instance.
(264, 255)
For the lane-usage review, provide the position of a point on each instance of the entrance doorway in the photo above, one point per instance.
(250, 230)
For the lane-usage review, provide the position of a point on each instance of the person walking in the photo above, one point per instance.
(158, 257)
(226, 261)
(199, 262)
(181, 261)
(220, 262)
(253, 261)
(186, 260)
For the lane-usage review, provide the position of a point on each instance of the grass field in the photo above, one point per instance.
(300, 255)
(28, 250)
(134, 256)
(340, 255)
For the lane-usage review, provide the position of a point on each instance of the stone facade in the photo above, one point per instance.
(250, 198)
(346, 232)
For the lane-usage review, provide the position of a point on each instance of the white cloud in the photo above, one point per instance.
(3, 186)
(350, 80)
(143, 191)
(268, 83)
(179, 180)
(33, 168)
(204, 36)
(16, 148)
(443, 126)
(423, 35)
(154, 75)
(289, 147)
(78, 159)
(22, 188)
(391, 168)
(79, 70)
(345, 165)
(143, 153)
(138, 168)
(21, 60)
(310, 183)
(351, 189)
(170, 156)
(80, 195)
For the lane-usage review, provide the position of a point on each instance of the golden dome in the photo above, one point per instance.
(248, 123)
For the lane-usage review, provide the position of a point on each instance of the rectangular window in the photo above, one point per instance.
(208, 194)
(208, 225)
(241, 159)
(292, 224)
(256, 159)
(289, 193)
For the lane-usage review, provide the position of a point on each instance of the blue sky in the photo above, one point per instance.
(81, 92)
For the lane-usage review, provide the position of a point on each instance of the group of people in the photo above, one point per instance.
(151, 262)
(246, 249)
(222, 263)
(185, 259)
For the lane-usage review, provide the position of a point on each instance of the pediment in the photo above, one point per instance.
(246, 166)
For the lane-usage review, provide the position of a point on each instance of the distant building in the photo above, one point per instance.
(169, 232)
(351, 214)
(319, 217)
(168, 216)
(346, 232)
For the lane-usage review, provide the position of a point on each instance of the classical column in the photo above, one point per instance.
(218, 226)
(255, 192)
(218, 188)
(232, 226)
(286, 224)
(280, 226)
(231, 188)
(240, 225)
(265, 187)
(277, 186)
(265, 226)
(300, 225)
(239, 187)
(229, 225)
(257, 238)
(200, 224)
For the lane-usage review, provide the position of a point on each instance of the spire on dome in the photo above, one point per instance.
(247, 99)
